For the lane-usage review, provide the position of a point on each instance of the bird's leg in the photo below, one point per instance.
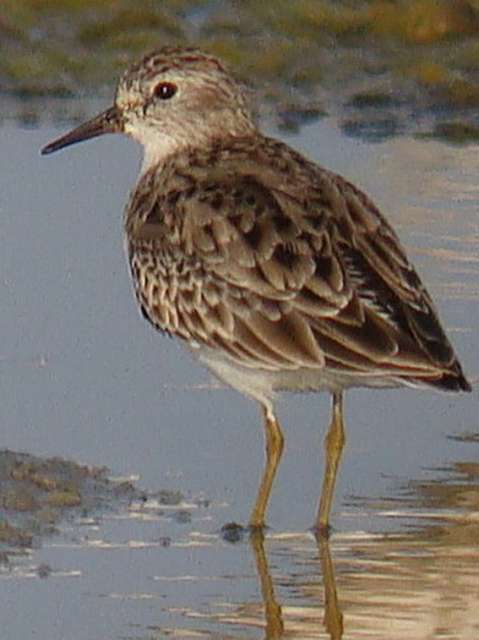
(274, 449)
(334, 444)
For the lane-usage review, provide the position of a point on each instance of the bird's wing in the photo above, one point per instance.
(290, 270)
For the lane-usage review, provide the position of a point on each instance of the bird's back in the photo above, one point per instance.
(248, 249)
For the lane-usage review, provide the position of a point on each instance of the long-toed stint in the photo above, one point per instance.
(277, 273)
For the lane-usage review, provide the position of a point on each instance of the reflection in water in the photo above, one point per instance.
(422, 582)
(272, 610)
(274, 625)
(333, 617)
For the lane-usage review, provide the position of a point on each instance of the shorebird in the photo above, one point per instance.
(279, 274)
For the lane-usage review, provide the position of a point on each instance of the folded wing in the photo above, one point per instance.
(285, 268)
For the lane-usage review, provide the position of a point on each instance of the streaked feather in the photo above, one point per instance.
(281, 264)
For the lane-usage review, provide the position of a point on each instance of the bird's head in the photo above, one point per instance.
(174, 98)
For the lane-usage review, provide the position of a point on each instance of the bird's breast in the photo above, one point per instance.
(168, 288)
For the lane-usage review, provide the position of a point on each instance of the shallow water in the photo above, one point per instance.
(85, 378)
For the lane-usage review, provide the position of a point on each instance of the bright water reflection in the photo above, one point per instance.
(422, 583)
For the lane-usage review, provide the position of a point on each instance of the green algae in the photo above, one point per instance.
(169, 498)
(458, 133)
(37, 493)
(371, 99)
(349, 55)
(424, 22)
(14, 536)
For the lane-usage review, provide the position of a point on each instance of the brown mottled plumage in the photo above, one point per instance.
(279, 274)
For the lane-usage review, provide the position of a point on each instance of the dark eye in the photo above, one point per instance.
(165, 90)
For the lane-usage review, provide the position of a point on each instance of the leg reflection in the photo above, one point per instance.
(272, 610)
(333, 617)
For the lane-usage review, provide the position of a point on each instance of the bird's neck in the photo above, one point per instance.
(157, 150)
(160, 145)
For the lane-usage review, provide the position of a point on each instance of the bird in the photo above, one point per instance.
(275, 272)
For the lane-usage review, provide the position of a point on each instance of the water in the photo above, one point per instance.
(85, 378)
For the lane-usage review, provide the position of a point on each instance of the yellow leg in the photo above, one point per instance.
(334, 444)
(272, 610)
(274, 449)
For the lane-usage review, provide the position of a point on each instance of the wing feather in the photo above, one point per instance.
(284, 265)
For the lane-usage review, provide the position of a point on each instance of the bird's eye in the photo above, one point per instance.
(165, 90)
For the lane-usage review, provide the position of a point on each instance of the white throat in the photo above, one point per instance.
(157, 145)
(156, 149)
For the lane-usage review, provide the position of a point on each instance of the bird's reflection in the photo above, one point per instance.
(274, 624)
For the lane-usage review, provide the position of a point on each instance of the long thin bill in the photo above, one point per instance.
(109, 121)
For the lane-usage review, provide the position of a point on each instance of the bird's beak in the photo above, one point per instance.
(110, 121)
